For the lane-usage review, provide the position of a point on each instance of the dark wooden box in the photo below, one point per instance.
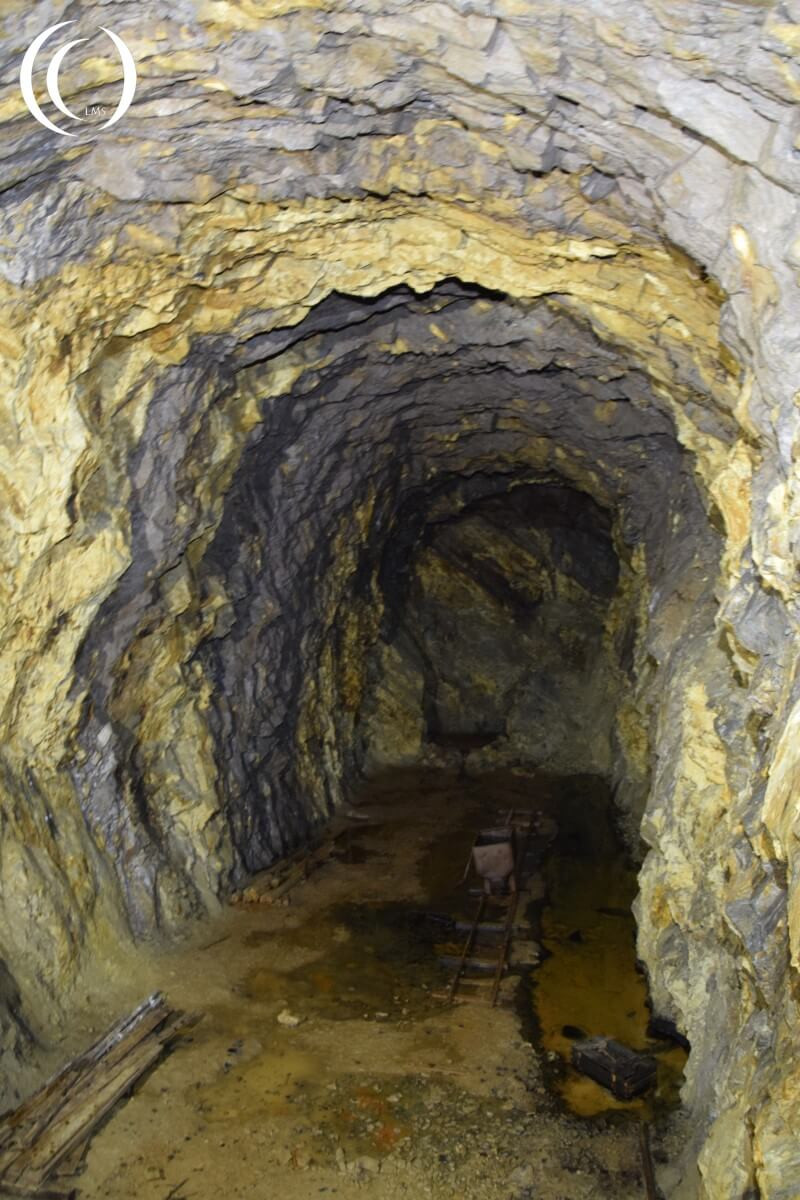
(625, 1072)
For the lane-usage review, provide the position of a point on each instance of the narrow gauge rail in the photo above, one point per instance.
(522, 826)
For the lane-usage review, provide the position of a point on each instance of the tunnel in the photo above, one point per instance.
(404, 393)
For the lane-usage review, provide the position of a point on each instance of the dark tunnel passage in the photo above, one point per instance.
(399, 429)
(466, 541)
(497, 620)
(462, 530)
(361, 494)
(462, 546)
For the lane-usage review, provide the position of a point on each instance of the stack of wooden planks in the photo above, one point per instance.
(48, 1134)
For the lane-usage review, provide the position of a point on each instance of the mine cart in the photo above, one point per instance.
(493, 857)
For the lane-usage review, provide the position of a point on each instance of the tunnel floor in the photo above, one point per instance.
(379, 1088)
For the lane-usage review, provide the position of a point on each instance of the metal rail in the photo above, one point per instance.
(468, 944)
(507, 929)
(519, 860)
(648, 1171)
(505, 947)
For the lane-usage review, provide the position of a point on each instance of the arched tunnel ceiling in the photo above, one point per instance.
(663, 319)
(342, 267)
(383, 405)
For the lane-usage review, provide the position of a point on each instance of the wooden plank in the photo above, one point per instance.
(85, 1110)
(301, 872)
(60, 1117)
(294, 868)
(21, 1114)
(470, 965)
(493, 929)
(279, 880)
(116, 1079)
(73, 1162)
(24, 1125)
(45, 1193)
(33, 1117)
(488, 933)
(480, 999)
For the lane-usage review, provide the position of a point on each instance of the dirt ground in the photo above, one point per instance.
(379, 1090)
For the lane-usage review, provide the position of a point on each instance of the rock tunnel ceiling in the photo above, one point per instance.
(348, 291)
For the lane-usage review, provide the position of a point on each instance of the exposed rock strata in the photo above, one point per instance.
(237, 370)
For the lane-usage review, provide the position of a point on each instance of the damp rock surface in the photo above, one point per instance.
(341, 274)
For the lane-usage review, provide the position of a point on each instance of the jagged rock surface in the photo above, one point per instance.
(497, 641)
(336, 264)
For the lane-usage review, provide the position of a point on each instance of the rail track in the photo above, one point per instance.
(495, 915)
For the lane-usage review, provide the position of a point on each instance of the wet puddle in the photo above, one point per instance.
(374, 961)
(590, 983)
(371, 1081)
(378, 961)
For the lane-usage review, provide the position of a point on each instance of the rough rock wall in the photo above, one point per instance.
(381, 446)
(497, 642)
(221, 400)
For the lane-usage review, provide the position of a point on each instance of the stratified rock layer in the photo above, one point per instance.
(344, 277)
